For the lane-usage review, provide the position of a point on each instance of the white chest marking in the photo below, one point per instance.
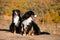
(16, 20)
(26, 22)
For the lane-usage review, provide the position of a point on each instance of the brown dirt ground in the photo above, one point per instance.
(6, 35)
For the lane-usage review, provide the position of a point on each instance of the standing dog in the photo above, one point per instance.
(15, 25)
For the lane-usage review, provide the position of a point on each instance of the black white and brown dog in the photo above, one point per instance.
(29, 25)
(27, 19)
(15, 25)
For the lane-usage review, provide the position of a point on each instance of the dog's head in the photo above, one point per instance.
(28, 14)
(16, 13)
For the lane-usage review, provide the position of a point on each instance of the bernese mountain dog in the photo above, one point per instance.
(15, 25)
(29, 26)
(27, 19)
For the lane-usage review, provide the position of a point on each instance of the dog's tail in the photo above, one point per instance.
(44, 33)
(41, 33)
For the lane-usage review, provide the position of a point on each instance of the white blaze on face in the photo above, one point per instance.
(15, 12)
(16, 19)
(26, 22)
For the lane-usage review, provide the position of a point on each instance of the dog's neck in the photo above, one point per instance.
(29, 20)
(16, 20)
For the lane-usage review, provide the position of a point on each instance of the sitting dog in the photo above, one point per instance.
(29, 26)
(27, 19)
(15, 25)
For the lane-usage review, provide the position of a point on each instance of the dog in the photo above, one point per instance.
(15, 26)
(27, 19)
(29, 26)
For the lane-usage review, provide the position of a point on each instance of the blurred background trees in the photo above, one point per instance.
(49, 10)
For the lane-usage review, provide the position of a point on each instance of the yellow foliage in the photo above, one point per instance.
(36, 5)
(48, 17)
